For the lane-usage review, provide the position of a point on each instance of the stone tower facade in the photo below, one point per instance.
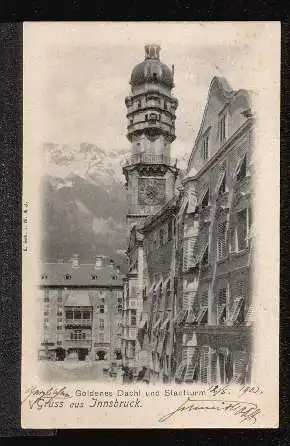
(150, 172)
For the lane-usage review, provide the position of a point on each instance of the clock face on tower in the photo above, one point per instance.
(151, 191)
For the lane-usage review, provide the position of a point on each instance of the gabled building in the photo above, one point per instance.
(81, 310)
(215, 234)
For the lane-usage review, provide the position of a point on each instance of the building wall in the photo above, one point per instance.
(215, 283)
(102, 330)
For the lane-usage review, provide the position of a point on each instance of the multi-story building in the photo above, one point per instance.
(81, 307)
(190, 252)
(215, 221)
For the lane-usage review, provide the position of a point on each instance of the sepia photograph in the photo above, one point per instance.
(147, 250)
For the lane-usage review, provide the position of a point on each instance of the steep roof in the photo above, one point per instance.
(64, 274)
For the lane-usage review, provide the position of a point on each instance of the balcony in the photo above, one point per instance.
(77, 343)
(156, 125)
(78, 323)
(147, 158)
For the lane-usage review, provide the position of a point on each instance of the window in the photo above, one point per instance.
(77, 335)
(242, 230)
(204, 148)
(46, 299)
(43, 276)
(45, 313)
(205, 200)
(101, 337)
(153, 117)
(221, 240)
(222, 128)
(102, 324)
(139, 104)
(242, 169)
(221, 185)
(221, 305)
(146, 117)
(67, 276)
(59, 327)
(86, 315)
(69, 315)
(204, 259)
(102, 309)
(202, 316)
(133, 318)
(77, 315)
(114, 277)
(94, 277)
(169, 231)
(59, 313)
(155, 241)
(59, 319)
(161, 237)
(188, 249)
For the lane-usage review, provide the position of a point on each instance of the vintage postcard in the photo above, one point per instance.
(150, 225)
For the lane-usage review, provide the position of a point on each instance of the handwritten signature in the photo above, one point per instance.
(51, 397)
(245, 410)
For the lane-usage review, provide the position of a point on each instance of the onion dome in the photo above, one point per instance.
(151, 69)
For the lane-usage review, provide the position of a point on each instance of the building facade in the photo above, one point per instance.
(214, 295)
(81, 310)
(187, 296)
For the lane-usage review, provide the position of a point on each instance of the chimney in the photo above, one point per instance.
(99, 261)
(75, 261)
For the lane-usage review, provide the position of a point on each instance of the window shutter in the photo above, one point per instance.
(221, 239)
(214, 366)
(204, 363)
(240, 366)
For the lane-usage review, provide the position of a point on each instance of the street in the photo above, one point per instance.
(73, 370)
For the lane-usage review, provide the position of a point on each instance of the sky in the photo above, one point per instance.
(77, 74)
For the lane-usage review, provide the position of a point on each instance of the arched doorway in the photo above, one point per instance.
(101, 355)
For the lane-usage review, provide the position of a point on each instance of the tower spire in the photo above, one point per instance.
(150, 172)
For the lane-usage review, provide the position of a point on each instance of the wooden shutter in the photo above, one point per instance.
(221, 239)
(204, 365)
(240, 366)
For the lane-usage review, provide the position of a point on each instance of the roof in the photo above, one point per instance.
(64, 274)
(151, 68)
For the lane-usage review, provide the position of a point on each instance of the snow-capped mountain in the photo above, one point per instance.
(84, 203)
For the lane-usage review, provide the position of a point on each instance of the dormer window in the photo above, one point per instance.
(43, 276)
(67, 276)
(114, 277)
(94, 277)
